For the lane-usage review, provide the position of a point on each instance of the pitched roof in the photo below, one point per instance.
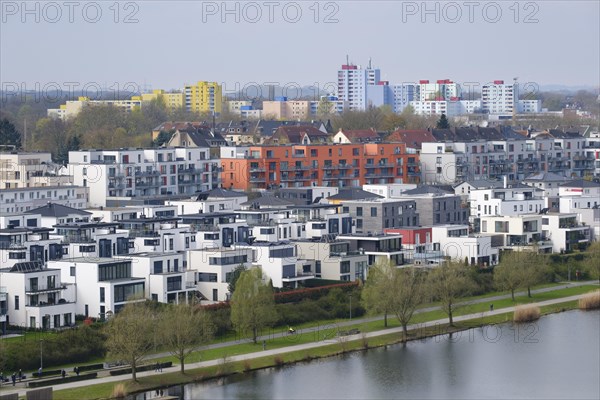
(172, 126)
(361, 135)
(354, 194)
(57, 210)
(413, 138)
(295, 134)
(483, 184)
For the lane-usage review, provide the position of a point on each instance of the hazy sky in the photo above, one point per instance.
(547, 42)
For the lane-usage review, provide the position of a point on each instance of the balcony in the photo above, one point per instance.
(41, 289)
(147, 173)
(298, 277)
(147, 184)
(77, 239)
(143, 233)
(261, 169)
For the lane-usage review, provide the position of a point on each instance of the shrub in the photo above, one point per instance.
(590, 301)
(247, 366)
(278, 361)
(119, 391)
(526, 313)
(60, 380)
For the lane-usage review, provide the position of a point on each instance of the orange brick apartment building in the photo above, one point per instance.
(341, 165)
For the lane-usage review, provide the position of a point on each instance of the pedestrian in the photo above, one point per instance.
(14, 378)
(264, 344)
(76, 369)
(492, 307)
(63, 373)
(159, 367)
(39, 372)
(20, 374)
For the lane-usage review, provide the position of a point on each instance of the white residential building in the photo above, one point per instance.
(104, 285)
(167, 281)
(36, 297)
(565, 231)
(114, 176)
(213, 268)
(517, 232)
(27, 198)
(499, 98)
(214, 200)
(512, 199)
(456, 243)
(334, 260)
(30, 169)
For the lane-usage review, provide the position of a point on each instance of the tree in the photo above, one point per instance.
(252, 304)
(407, 294)
(235, 275)
(378, 293)
(183, 329)
(130, 334)
(9, 136)
(448, 283)
(162, 138)
(324, 109)
(443, 122)
(508, 274)
(592, 261)
(533, 269)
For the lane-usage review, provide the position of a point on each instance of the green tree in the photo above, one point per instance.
(378, 292)
(508, 275)
(324, 109)
(591, 263)
(184, 328)
(533, 269)
(235, 275)
(408, 291)
(252, 304)
(162, 138)
(131, 334)
(9, 136)
(448, 283)
(443, 123)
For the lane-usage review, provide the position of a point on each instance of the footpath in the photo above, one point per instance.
(21, 390)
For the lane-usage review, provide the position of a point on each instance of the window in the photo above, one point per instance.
(373, 211)
(359, 211)
(16, 302)
(124, 292)
(72, 271)
(173, 283)
(102, 295)
(345, 267)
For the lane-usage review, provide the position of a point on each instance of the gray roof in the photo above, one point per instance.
(546, 177)
(57, 210)
(219, 193)
(427, 189)
(581, 183)
(483, 184)
(354, 194)
(270, 201)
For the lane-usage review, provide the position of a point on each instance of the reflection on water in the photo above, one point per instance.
(556, 357)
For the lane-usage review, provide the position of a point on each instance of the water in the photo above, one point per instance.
(557, 357)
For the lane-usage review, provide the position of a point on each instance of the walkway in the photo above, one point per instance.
(306, 346)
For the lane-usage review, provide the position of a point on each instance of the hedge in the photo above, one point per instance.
(89, 367)
(58, 381)
(48, 372)
(142, 368)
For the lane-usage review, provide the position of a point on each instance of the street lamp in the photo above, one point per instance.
(350, 305)
(41, 354)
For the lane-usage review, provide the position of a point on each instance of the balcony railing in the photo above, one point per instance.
(77, 239)
(142, 233)
(40, 289)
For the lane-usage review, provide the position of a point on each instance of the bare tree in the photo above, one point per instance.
(184, 328)
(448, 283)
(378, 293)
(131, 334)
(408, 290)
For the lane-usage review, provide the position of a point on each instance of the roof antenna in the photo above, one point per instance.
(347, 60)
(369, 62)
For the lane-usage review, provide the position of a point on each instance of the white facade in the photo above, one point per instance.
(25, 199)
(519, 232)
(334, 260)
(455, 242)
(529, 106)
(392, 190)
(213, 267)
(36, 297)
(31, 169)
(565, 231)
(102, 284)
(114, 175)
(507, 201)
(352, 85)
(499, 98)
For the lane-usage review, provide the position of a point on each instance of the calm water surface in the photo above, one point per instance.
(558, 357)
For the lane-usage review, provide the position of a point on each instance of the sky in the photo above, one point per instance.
(160, 44)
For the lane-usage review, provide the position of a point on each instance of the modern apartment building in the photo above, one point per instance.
(30, 169)
(204, 97)
(114, 176)
(375, 215)
(336, 165)
(353, 83)
(499, 98)
(333, 259)
(20, 200)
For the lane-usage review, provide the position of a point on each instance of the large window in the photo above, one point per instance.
(228, 260)
(205, 277)
(118, 270)
(345, 267)
(125, 292)
(281, 253)
(173, 283)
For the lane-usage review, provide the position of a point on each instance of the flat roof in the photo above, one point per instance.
(96, 260)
